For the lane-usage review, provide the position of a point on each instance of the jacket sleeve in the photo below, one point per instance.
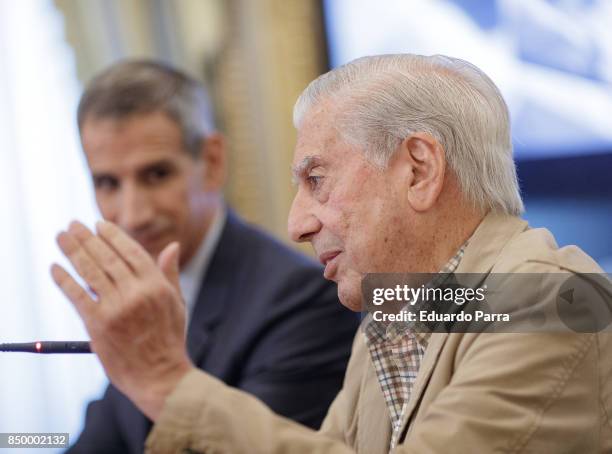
(204, 415)
(101, 432)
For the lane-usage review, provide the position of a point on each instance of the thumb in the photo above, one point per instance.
(168, 262)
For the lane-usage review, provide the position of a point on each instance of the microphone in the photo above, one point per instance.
(47, 347)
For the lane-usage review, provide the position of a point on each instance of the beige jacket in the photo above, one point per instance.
(474, 393)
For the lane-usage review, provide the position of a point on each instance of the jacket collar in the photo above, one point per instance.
(214, 291)
(488, 241)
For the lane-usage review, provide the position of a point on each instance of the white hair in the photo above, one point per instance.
(387, 98)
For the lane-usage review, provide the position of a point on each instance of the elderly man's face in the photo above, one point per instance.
(147, 183)
(352, 212)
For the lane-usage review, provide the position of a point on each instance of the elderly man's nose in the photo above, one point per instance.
(302, 223)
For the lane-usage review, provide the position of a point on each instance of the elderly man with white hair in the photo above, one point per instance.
(403, 165)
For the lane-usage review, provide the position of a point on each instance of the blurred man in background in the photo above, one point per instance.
(261, 317)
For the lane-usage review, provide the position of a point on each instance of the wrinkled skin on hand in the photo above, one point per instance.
(136, 319)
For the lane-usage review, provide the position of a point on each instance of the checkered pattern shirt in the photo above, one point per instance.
(397, 352)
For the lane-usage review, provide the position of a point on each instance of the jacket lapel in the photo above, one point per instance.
(481, 253)
(430, 359)
(214, 290)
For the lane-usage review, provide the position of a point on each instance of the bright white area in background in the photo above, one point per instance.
(43, 185)
(551, 59)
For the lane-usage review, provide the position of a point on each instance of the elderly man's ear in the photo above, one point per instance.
(214, 157)
(421, 163)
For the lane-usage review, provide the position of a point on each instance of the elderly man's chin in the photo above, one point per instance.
(350, 296)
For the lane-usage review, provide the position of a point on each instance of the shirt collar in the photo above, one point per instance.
(377, 331)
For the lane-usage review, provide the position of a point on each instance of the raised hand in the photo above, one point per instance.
(137, 318)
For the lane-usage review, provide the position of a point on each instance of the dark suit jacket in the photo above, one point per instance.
(266, 322)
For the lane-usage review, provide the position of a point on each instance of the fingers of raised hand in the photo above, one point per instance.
(133, 253)
(83, 303)
(103, 254)
(85, 265)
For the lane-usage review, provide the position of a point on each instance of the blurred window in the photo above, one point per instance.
(43, 185)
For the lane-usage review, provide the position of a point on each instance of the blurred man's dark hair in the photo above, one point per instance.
(144, 86)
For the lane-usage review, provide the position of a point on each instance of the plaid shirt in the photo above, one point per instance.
(397, 353)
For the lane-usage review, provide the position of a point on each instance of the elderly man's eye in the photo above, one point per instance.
(314, 181)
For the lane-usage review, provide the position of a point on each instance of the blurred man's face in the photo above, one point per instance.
(147, 183)
(353, 213)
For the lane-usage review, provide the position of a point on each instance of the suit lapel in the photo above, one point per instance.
(214, 291)
(133, 424)
(480, 255)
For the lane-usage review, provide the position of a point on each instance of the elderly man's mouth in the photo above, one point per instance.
(330, 261)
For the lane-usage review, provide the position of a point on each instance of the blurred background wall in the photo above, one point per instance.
(256, 56)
